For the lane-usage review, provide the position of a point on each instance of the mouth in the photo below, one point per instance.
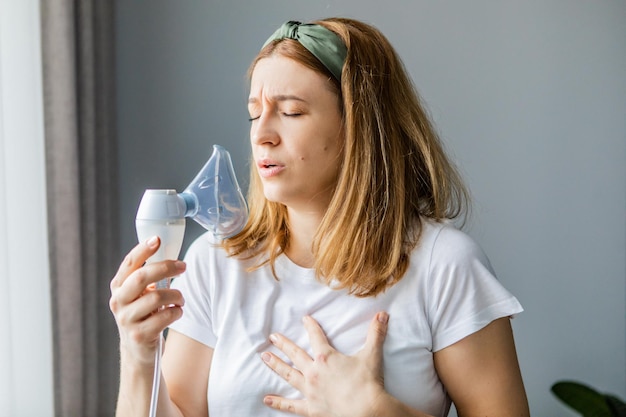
(269, 168)
(267, 163)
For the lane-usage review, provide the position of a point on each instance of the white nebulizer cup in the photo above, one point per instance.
(213, 199)
(159, 215)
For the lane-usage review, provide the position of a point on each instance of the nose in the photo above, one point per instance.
(263, 130)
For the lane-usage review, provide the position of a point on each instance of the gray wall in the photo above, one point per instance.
(530, 97)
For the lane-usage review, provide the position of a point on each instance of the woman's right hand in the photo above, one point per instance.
(141, 311)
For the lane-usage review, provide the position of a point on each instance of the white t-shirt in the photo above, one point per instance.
(448, 292)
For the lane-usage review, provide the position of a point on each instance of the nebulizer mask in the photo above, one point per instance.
(213, 199)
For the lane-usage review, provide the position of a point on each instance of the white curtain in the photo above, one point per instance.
(25, 323)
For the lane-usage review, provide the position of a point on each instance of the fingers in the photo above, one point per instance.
(132, 303)
(295, 353)
(135, 284)
(327, 379)
(149, 304)
(134, 259)
(148, 331)
(319, 342)
(298, 407)
(284, 370)
(376, 336)
(289, 373)
(133, 297)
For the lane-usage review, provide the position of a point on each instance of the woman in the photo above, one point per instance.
(349, 292)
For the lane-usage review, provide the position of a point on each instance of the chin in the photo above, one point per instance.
(274, 196)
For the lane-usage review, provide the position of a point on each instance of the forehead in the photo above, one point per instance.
(278, 75)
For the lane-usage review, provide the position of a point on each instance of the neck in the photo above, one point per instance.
(302, 229)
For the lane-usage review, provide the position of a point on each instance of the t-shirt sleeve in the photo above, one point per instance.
(196, 284)
(465, 295)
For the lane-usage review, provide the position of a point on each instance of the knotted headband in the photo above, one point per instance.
(324, 44)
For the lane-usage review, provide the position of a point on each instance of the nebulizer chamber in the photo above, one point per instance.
(213, 199)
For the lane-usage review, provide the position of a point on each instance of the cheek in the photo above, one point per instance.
(252, 133)
(320, 157)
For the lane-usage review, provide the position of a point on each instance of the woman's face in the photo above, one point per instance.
(296, 133)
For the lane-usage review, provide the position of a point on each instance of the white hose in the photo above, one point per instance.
(156, 381)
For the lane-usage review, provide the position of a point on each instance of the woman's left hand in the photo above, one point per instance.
(333, 384)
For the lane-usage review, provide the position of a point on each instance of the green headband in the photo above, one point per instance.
(324, 44)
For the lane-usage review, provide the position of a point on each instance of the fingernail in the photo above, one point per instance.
(267, 401)
(383, 317)
(273, 338)
(152, 242)
(266, 357)
(180, 265)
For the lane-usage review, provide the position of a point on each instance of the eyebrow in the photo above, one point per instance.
(280, 97)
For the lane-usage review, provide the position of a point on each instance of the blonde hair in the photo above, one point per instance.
(394, 171)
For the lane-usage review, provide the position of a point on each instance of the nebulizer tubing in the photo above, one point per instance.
(213, 199)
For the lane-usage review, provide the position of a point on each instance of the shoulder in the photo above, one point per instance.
(462, 291)
(452, 263)
(448, 245)
(206, 257)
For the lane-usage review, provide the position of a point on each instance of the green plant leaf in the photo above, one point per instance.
(587, 401)
(617, 406)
